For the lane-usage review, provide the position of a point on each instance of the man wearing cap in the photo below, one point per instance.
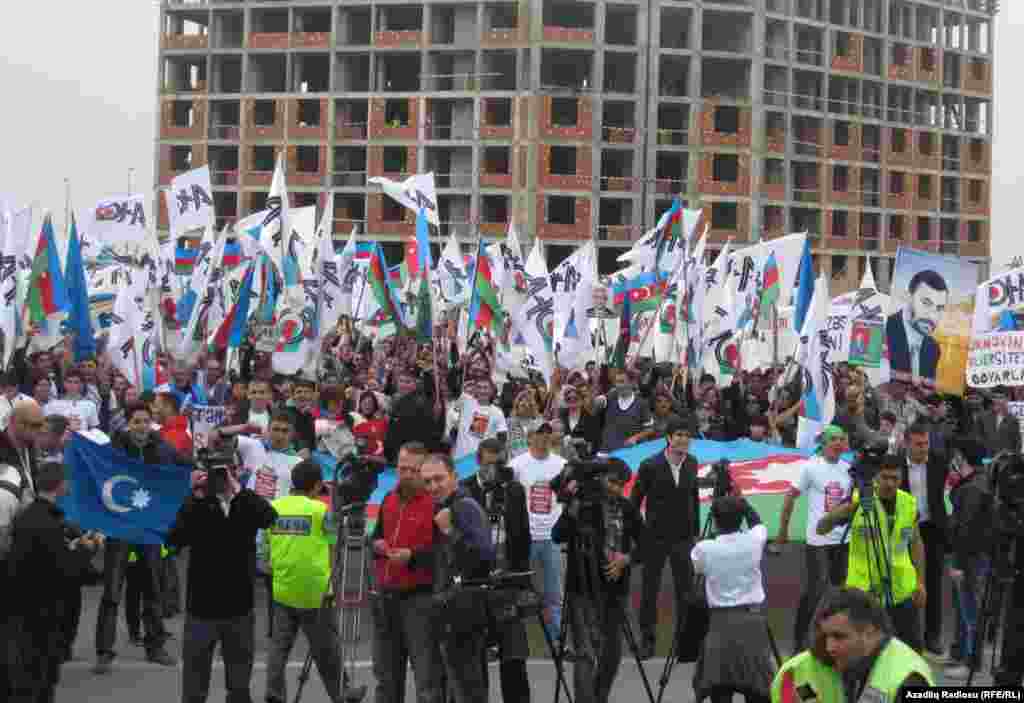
(535, 470)
(667, 484)
(1002, 430)
(825, 480)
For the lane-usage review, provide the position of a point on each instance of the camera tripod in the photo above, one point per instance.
(878, 551)
(345, 596)
(991, 613)
(587, 550)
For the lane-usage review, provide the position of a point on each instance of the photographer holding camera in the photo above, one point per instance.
(667, 482)
(604, 532)
(463, 550)
(220, 527)
(504, 500)
(888, 562)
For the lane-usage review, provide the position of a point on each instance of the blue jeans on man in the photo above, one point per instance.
(967, 603)
(549, 556)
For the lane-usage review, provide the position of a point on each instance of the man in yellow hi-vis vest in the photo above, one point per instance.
(301, 563)
(854, 656)
(886, 552)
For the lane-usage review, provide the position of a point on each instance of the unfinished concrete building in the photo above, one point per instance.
(867, 123)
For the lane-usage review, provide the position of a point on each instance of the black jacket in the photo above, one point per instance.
(899, 350)
(937, 469)
(468, 550)
(633, 540)
(222, 562)
(517, 521)
(42, 568)
(971, 528)
(673, 511)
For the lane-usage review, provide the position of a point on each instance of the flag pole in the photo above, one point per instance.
(67, 207)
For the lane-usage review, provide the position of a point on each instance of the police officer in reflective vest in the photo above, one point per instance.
(301, 564)
(898, 543)
(854, 656)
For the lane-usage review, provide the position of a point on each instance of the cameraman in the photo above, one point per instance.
(463, 549)
(503, 498)
(598, 577)
(535, 470)
(737, 654)
(899, 544)
(667, 482)
(825, 481)
(220, 528)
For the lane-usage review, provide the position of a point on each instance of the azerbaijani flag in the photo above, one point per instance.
(185, 260)
(771, 289)
(47, 293)
(625, 334)
(380, 283)
(672, 236)
(232, 253)
(484, 309)
(644, 291)
(423, 264)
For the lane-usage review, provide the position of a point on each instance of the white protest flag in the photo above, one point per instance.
(189, 201)
(867, 282)
(572, 284)
(690, 302)
(351, 275)
(205, 288)
(999, 303)
(117, 220)
(787, 251)
(506, 256)
(451, 274)
(717, 350)
(250, 227)
(121, 342)
(414, 192)
(333, 299)
(275, 228)
(531, 305)
(19, 234)
(818, 402)
(9, 308)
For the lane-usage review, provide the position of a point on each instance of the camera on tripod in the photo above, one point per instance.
(866, 465)
(494, 491)
(1007, 471)
(587, 475)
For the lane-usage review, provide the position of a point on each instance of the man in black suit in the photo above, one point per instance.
(912, 349)
(667, 482)
(1002, 430)
(492, 487)
(924, 476)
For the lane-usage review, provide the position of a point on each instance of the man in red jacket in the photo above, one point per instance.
(402, 609)
(173, 426)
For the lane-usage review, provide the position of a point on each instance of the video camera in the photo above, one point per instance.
(215, 462)
(587, 474)
(355, 477)
(494, 491)
(866, 465)
(1007, 472)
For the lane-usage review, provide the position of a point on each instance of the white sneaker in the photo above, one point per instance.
(958, 672)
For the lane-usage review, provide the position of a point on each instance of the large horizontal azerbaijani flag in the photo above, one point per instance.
(764, 472)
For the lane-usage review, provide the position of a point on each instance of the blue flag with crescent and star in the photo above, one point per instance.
(120, 496)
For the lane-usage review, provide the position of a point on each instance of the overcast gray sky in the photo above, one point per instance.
(79, 80)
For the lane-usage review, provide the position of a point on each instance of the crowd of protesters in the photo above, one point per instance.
(396, 393)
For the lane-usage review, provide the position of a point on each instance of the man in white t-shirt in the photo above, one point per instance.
(534, 470)
(80, 412)
(825, 481)
(477, 419)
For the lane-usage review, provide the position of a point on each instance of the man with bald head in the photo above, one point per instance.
(17, 489)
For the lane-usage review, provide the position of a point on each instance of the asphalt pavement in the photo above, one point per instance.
(134, 680)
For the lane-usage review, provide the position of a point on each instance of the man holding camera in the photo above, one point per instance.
(463, 550)
(535, 470)
(604, 532)
(504, 500)
(667, 483)
(898, 581)
(220, 527)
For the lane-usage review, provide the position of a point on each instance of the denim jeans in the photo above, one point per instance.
(967, 602)
(549, 556)
(115, 565)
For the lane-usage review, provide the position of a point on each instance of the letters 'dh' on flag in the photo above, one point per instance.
(120, 496)
(189, 203)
